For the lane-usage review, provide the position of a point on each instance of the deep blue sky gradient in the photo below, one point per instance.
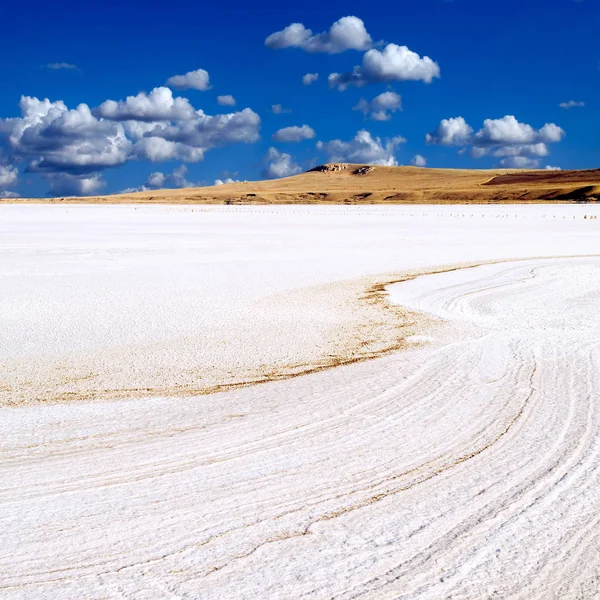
(496, 58)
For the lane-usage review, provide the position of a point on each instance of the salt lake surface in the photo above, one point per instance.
(466, 465)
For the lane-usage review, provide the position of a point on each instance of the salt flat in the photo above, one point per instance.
(466, 465)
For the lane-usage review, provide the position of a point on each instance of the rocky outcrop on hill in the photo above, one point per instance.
(363, 170)
(330, 168)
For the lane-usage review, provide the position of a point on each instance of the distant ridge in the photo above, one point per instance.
(342, 183)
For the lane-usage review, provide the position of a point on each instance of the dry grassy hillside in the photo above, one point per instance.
(361, 184)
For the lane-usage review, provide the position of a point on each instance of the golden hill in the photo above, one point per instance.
(362, 184)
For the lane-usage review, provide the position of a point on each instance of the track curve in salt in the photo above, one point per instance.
(468, 469)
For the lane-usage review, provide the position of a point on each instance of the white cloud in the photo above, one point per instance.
(158, 105)
(175, 179)
(508, 130)
(381, 107)
(193, 80)
(227, 100)
(520, 162)
(393, 63)
(551, 133)
(294, 134)
(419, 161)
(223, 182)
(67, 184)
(363, 149)
(8, 176)
(278, 109)
(516, 143)
(168, 128)
(7, 194)
(136, 130)
(57, 66)
(279, 164)
(157, 149)
(156, 180)
(551, 168)
(539, 149)
(53, 138)
(310, 78)
(451, 132)
(348, 33)
(188, 140)
(571, 104)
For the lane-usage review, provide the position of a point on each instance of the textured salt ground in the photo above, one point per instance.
(466, 469)
(123, 301)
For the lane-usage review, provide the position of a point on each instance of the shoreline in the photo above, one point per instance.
(174, 301)
(383, 328)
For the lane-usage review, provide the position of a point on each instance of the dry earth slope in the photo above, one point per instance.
(363, 184)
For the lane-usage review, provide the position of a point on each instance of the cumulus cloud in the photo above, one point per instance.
(193, 80)
(68, 184)
(175, 179)
(348, 33)
(188, 140)
(520, 162)
(223, 182)
(551, 168)
(294, 134)
(539, 149)
(71, 147)
(310, 78)
(168, 128)
(278, 109)
(57, 66)
(508, 130)
(279, 164)
(451, 132)
(227, 100)
(157, 149)
(504, 138)
(419, 161)
(156, 180)
(158, 105)
(551, 133)
(381, 107)
(178, 177)
(8, 176)
(363, 149)
(52, 138)
(572, 104)
(393, 63)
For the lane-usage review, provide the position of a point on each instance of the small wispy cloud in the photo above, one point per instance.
(348, 33)
(419, 161)
(278, 109)
(294, 134)
(192, 80)
(571, 104)
(381, 107)
(58, 66)
(227, 100)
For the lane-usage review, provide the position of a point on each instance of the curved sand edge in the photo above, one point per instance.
(287, 335)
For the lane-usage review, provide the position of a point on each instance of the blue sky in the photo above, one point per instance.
(463, 83)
